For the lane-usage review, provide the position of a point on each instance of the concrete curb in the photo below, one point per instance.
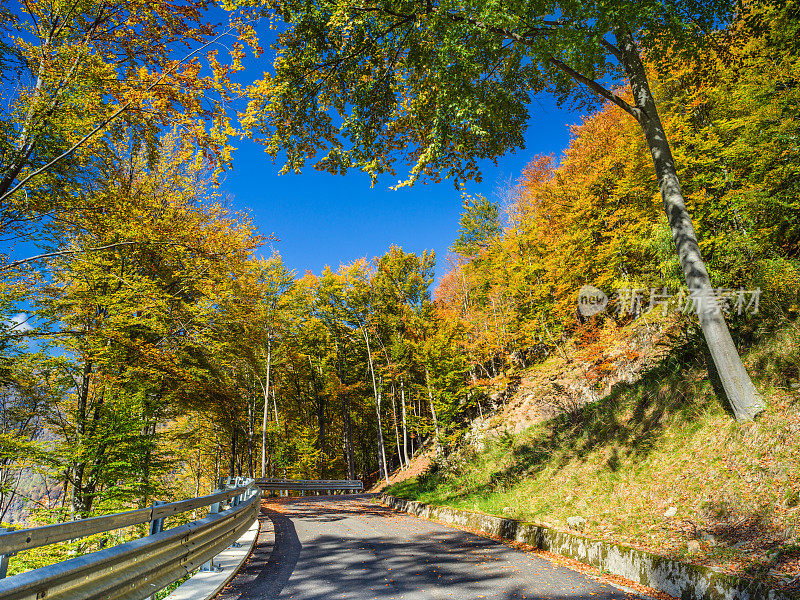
(207, 584)
(677, 578)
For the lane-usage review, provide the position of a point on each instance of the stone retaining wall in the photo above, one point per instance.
(677, 578)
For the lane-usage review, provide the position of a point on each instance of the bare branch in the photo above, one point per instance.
(48, 255)
(595, 87)
(60, 253)
(110, 118)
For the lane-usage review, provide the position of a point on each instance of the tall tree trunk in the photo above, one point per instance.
(319, 402)
(265, 389)
(742, 395)
(500, 344)
(232, 465)
(149, 415)
(375, 389)
(275, 406)
(148, 433)
(348, 438)
(26, 141)
(381, 445)
(217, 466)
(348, 425)
(396, 426)
(436, 441)
(322, 434)
(81, 503)
(64, 493)
(416, 438)
(199, 473)
(250, 433)
(8, 490)
(405, 425)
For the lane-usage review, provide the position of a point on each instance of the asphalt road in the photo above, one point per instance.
(341, 547)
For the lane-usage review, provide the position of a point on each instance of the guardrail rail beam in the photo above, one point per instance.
(137, 569)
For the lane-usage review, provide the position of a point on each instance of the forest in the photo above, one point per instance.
(151, 341)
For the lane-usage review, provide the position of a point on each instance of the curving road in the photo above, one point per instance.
(339, 547)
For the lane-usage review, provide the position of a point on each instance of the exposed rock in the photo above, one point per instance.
(562, 383)
(497, 398)
(708, 537)
(576, 523)
(671, 512)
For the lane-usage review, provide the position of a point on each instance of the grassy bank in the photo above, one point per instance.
(664, 444)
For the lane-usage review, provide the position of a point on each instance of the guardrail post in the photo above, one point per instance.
(236, 501)
(157, 525)
(238, 498)
(232, 485)
(214, 509)
(4, 558)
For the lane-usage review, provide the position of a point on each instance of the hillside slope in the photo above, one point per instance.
(656, 462)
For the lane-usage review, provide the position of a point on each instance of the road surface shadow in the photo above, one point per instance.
(270, 565)
(354, 549)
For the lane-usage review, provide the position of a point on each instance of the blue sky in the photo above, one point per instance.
(322, 219)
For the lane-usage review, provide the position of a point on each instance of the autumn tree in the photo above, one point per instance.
(444, 85)
(401, 287)
(255, 326)
(85, 71)
(358, 309)
(132, 300)
(478, 226)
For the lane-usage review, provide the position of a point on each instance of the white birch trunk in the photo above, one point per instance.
(405, 426)
(265, 389)
(436, 441)
(397, 427)
(382, 454)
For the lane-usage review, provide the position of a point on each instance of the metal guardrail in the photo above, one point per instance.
(137, 569)
(304, 485)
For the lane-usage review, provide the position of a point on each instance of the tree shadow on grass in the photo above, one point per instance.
(628, 422)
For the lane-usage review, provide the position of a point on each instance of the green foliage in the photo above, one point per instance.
(78, 76)
(443, 85)
(479, 226)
